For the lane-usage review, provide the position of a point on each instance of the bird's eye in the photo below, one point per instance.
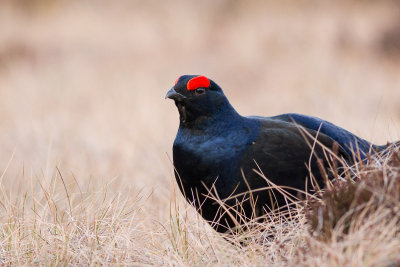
(200, 91)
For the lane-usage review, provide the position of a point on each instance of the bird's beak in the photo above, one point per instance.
(172, 94)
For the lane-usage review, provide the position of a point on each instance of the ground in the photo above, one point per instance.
(86, 135)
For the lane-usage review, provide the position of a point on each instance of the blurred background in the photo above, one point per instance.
(82, 83)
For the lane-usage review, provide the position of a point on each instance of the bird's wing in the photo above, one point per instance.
(286, 152)
(349, 141)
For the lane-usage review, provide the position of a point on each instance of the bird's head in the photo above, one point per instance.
(198, 98)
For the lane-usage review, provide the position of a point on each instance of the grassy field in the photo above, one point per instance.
(86, 135)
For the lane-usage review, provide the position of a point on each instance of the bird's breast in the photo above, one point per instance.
(206, 150)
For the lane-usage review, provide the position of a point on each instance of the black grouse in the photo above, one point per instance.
(216, 153)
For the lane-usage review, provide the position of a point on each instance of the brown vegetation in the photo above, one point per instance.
(86, 136)
(350, 204)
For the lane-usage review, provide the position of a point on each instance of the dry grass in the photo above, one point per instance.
(348, 202)
(86, 135)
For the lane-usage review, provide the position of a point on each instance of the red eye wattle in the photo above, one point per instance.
(196, 82)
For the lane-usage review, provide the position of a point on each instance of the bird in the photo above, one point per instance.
(230, 167)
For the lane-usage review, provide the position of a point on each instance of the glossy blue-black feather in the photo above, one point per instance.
(218, 155)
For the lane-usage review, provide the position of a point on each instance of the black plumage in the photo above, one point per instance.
(217, 151)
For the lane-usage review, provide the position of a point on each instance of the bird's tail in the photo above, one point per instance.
(384, 147)
(393, 144)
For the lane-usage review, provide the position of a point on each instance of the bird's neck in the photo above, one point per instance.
(225, 117)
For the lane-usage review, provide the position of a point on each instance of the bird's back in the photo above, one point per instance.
(349, 141)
